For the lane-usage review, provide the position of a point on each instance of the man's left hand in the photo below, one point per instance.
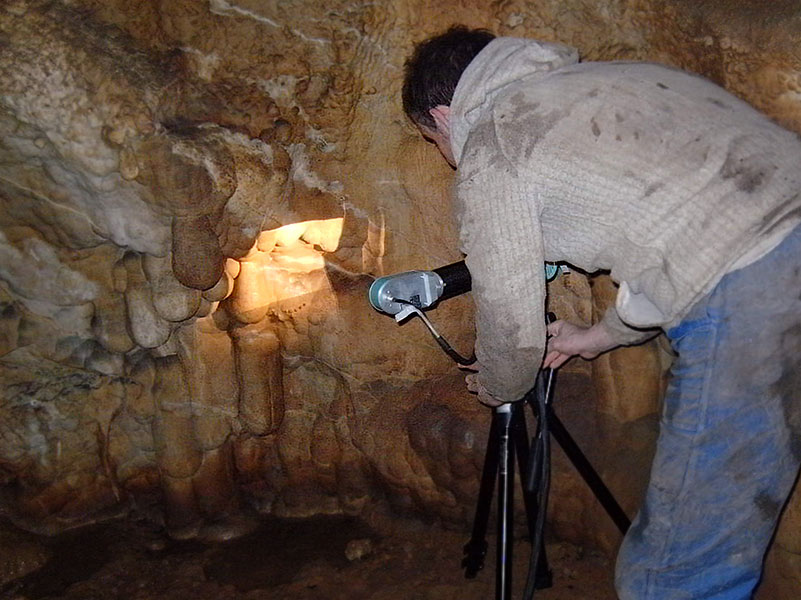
(475, 387)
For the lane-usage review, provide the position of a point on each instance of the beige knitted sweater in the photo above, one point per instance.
(656, 175)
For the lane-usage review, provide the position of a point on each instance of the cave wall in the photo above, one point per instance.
(194, 198)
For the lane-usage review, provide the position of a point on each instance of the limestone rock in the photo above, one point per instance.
(109, 323)
(56, 283)
(196, 257)
(177, 452)
(190, 173)
(259, 369)
(172, 301)
(260, 197)
(72, 411)
(207, 360)
(20, 554)
(145, 325)
(221, 290)
(252, 293)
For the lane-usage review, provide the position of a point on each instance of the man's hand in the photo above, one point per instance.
(566, 340)
(473, 386)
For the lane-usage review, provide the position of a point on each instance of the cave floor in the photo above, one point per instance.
(319, 558)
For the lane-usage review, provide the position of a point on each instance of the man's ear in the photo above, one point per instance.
(442, 118)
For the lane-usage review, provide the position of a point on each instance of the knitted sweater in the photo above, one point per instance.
(656, 175)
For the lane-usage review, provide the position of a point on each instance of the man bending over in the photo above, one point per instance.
(690, 199)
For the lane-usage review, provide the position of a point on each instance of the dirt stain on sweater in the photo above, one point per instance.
(768, 507)
(528, 125)
(718, 103)
(747, 174)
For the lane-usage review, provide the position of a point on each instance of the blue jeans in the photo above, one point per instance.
(729, 446)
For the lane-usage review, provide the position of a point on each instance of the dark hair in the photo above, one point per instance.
(434, 69)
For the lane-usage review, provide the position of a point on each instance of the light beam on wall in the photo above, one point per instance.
(284, 270)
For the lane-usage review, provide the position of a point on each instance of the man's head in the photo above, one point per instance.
(431, 76)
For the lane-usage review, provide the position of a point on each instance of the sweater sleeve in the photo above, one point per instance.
(502, 239)
(623, 334)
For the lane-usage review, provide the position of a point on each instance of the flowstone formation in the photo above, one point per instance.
(195, 196)
(184, 315)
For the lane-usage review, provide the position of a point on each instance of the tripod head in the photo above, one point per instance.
(400, 294)
(410, 292)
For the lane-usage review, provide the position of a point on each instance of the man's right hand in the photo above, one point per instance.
(566, 340)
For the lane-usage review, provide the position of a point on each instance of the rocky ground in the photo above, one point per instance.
(327, 557)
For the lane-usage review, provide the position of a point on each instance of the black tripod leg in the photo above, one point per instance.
(506, 480)
(588, 473)
(544, 578)
(476, 549)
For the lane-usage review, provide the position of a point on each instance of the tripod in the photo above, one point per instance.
(508, 437)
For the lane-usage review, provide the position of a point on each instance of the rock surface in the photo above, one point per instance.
(194, 198)
(20, 554)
